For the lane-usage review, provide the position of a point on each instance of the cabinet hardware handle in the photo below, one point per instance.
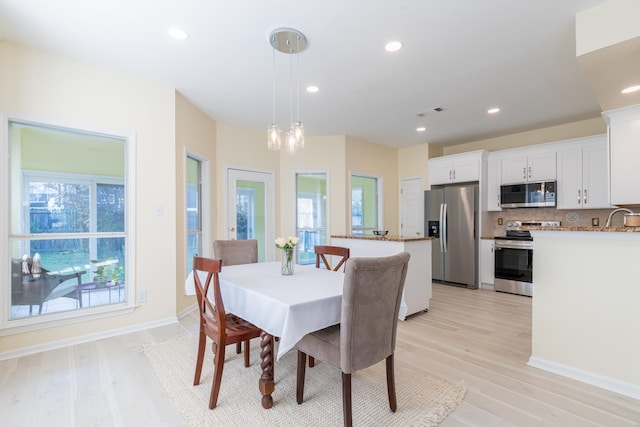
(579, 196)
(585, 196)
(454, 174)
(450, 171)
(524, 172)
(529, 171)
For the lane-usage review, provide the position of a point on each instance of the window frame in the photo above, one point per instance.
(379, 203)
(33, 323)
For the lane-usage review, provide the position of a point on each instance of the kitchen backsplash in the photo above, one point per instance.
(578, 218)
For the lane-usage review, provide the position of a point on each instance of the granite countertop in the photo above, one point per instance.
(387, 238)
(618, 229)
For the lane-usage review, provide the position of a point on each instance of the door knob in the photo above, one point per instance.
(233, 229)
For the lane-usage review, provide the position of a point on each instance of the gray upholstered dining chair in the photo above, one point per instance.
(233, 252)
(366, 334)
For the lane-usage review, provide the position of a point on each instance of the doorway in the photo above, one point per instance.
(251, 209)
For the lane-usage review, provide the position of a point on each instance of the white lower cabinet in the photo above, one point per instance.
(487, 263)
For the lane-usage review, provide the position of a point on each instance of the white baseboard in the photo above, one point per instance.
(24, 351)
(187, 311)
(607, 383)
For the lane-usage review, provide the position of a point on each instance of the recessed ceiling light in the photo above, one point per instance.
(493, 110)
(313, 89)
(177, 33)
(630, 89)
(421, 129)
(393, 46)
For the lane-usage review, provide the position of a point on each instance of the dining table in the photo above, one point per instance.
(287, 307)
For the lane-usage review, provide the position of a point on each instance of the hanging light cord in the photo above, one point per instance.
(298, 79)
(291, 84)
(273, 52)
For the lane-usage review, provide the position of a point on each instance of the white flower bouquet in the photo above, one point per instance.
(286, 243)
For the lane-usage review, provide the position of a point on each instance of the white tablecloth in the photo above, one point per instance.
(288, 307)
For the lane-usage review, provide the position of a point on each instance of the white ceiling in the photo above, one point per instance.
(462, 55)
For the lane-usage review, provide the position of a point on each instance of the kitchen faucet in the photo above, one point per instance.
(608, 223)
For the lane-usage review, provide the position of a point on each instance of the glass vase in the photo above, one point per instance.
(287, 262)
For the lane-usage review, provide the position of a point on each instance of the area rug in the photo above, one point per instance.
(422, 400)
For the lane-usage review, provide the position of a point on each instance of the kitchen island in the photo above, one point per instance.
(417, 286)
(586, 305)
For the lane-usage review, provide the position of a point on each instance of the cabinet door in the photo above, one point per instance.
(514, 169)
(624, 143)
(541, 166)
(595, 176)
(487, 262)
(494, 168)
(466, 169)
(440, 171)
(569, 191)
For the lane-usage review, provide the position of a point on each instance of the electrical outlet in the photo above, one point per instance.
(500, 221)
(595, 222)
(142, 296)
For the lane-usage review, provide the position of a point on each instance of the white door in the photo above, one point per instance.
(411, 207)
(251, 209)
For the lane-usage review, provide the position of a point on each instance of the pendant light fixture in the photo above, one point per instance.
(291, 42)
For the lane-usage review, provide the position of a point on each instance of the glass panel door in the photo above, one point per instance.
(251, 209)
(311, 214)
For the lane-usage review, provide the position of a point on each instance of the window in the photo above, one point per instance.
(194, 210)
(365, 204)
(311, 214)
(67, 227)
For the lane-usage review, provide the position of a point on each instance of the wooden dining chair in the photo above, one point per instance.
(322, 252)
(321, 255)
(235, 252)
(366, 334)
(216, 324)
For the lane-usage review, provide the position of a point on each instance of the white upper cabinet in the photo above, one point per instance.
(494, 171)
(583, 181)
(624, 153)
(455, 168)
(529, 165)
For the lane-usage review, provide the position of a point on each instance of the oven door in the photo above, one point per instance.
(514, 266)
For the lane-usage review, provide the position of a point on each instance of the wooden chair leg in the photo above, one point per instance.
(346, 400)
(246, 353)
(302, 363)
(238, 348)
(312, 361)
(202, 342)
(391, 384)
(218, 367)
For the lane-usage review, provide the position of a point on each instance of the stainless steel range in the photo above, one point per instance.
(514, 258)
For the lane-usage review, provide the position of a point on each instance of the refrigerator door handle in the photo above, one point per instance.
(440, 229)
(443, 231)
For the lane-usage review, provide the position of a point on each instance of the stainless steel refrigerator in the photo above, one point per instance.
(451, 218)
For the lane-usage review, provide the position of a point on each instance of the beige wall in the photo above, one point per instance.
(53, 89)
(595, 126)
(196, 135)
(371, 159)
(412, 162)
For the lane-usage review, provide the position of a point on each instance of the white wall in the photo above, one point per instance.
(52, 89)
(586, 307)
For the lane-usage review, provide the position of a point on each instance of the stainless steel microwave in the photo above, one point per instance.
(528, 195)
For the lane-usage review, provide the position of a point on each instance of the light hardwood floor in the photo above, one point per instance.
(476, 337)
